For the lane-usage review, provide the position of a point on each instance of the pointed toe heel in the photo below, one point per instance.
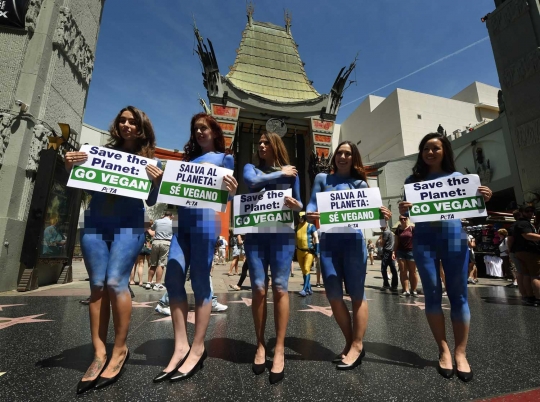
(178, 376)
(164, 376)
(84, 386)
(337, 359)
(103, 382)
(354, 364)
(258, 369)
(274, 378)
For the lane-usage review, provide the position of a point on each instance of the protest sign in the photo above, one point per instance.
(455, 197)
(355, 209)
(110, 171)
(194, 185)
(263, 212)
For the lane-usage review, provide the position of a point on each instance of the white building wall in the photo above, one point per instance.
(376, 123)
(93, 136)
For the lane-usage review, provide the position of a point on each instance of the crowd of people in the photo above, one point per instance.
(115, 239)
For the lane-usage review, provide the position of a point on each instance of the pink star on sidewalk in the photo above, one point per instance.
(29, 319)
(135, 304)
(9, 305)
(317, 309)
(349, 298)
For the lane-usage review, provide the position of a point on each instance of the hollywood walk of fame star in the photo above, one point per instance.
(421, 305)
(1, 374)
(247, 301)
(317, 309)
(29, 319)
(135, 304)
(190, 318)
(9, 305)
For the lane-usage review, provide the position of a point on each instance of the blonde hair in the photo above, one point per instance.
(503, 232)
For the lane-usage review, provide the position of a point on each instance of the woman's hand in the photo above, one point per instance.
(72, 158)
(231, 184)
(291, 203)
(404, 207)
(386, 212)
(486, 192)
(155, 174)
(312, 216)
(289, 171)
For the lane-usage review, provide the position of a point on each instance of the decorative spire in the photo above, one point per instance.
(288, 19)
(250, 11)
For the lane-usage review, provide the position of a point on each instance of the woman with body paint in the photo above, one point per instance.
(344, 256)
(192, 246)
(273, 172)
(111, 240)
(443, 242)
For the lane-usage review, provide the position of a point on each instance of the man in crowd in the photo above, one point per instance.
(388, 259)
(516, 269)
(162, 230)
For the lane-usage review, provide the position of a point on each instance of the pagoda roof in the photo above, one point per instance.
(268, 65)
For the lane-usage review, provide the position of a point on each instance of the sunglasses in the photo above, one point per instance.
(402, 219)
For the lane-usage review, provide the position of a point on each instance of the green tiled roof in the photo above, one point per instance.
(268, 65)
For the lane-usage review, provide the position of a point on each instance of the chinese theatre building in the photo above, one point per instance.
(267, 89)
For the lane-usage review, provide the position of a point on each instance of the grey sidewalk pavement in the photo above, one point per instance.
(220, 279)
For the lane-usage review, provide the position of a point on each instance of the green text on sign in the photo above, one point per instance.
(194, 192)
(256, 219)
(111, 179)
(357, 215)
(457, 205)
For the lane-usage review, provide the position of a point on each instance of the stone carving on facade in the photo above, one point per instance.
(319, 164)
(30, 21)
(528, 134)
(70, 41)
(521, 70)
(5, 134)
(501, 19)
(339, 87)
(39, 139)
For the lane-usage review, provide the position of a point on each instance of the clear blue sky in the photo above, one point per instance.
(145, 53)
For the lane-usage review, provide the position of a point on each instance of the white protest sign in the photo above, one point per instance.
(110, 171)
(263, 212)
(194, 185)
(454, 197)
(356, 209)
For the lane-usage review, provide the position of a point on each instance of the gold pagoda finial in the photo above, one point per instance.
(250, 10)
(288, 19)
(196, 31)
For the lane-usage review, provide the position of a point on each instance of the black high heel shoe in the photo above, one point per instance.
(354, 364)
(274, 378)
(446, 373)
(103, 382)
(464, 376)
(165, 376)
(84, 386)
(184, 376)
(337, 359)
(258, 369)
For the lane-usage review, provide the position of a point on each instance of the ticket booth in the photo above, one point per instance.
(51, 228)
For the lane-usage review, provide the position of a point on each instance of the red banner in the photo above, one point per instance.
(225, 112)
(322, 125)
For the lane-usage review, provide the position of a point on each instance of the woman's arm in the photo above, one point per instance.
(255, 179)
(295, 202)
(156, 174)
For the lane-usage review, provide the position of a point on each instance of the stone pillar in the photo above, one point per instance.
(514, 31)
(48, 66)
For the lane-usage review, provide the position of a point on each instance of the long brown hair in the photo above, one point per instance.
(146, 144)
(192, 149)
(281, 155)
(357, 167)
(421, 169)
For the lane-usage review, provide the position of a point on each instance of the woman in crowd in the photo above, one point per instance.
(273, 172)
(111, 240)
(143, 256)
(403, 247)
(446, 242)
(237, 245)
(193, 246)
(370, 250)
(343, 255)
